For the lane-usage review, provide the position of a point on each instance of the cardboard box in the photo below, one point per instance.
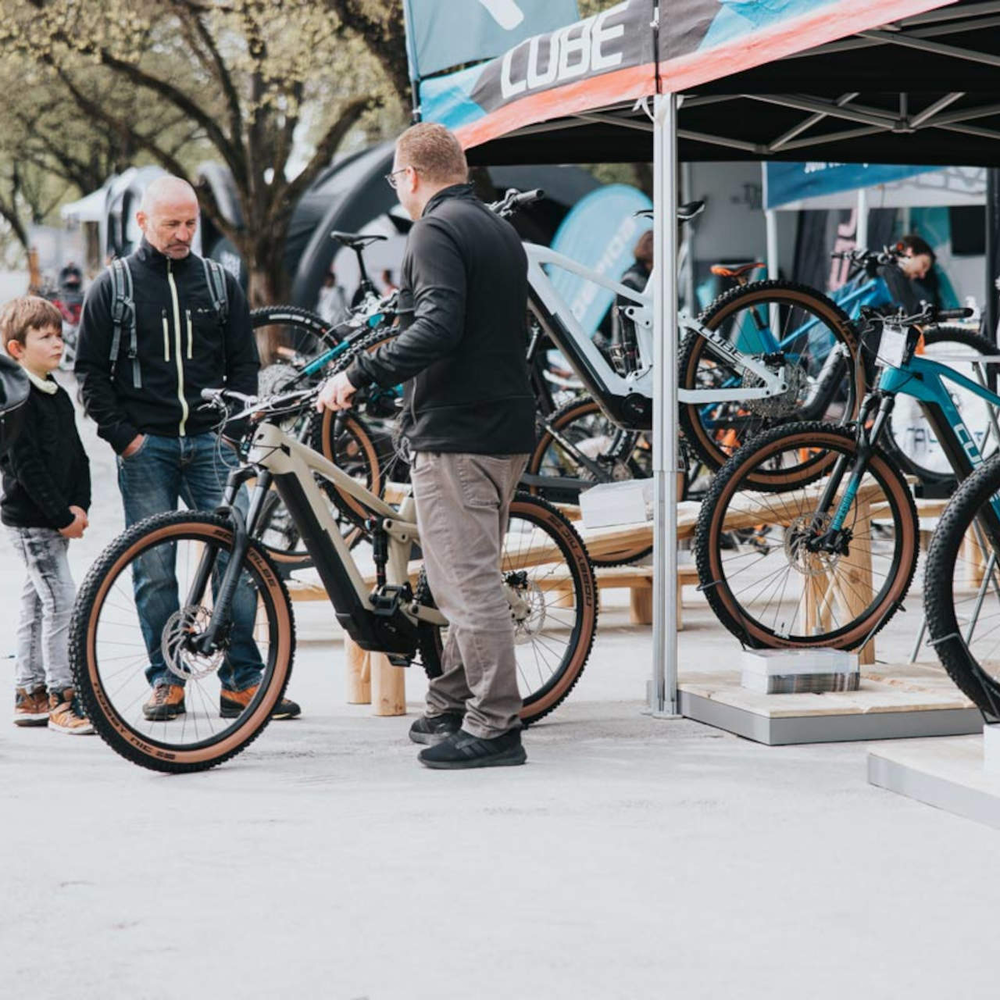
(609, 504)
(790, 671)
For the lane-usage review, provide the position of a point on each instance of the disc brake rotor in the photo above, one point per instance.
(802, 528)
(181, 660)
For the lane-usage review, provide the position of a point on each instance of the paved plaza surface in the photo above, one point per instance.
(630, 858)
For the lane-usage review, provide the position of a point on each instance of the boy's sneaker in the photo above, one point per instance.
(66, 714)
(31, 708)
(462, 750)
(166, 703)
(233, 703)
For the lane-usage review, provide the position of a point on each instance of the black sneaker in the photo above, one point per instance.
(435, 728)
(462, 750)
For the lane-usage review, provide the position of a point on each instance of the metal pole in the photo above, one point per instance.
(771, 222)
(992, 256)
(862, 226)
(662, 695)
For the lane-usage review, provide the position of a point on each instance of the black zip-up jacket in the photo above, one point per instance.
(462, 352)
(182, 349)
(46, 470)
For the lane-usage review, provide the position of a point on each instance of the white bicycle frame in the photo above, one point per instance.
(640, 381)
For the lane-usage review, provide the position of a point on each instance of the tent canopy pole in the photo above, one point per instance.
(662, 695)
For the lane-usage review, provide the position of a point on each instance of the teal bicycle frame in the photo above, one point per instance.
(924, 380)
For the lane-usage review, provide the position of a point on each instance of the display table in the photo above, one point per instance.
(893, 702)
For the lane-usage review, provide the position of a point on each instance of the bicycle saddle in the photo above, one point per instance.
(734, 272)
(356, 241)
(685, 212)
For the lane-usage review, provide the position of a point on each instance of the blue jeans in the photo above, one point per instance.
(193, 469)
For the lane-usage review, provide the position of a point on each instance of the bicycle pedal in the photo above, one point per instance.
(398, 659)
(387, 600)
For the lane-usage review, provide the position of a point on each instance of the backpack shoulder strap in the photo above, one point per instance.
(122, 313)
(215, 278)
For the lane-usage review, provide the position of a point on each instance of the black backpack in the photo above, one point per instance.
(123, 308)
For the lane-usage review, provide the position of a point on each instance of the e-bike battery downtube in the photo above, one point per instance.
(388, 635)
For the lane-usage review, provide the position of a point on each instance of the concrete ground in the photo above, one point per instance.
(630, 858)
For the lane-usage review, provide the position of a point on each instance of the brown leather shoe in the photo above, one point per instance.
(66, 714)
(166, 703)
(233, 703)
(31, 708)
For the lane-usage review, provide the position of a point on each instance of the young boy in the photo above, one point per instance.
(46, 494)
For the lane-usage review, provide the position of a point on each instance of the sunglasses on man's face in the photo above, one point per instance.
(391, 178)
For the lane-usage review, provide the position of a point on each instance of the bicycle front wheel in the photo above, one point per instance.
(961, 596)
(116, 653)
(761, 563)
(553, 599)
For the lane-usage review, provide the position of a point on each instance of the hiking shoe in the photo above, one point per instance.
(433, 729)
(31, 708)
(462, 750)
(166, 703)
(66, 714)
(233, 703)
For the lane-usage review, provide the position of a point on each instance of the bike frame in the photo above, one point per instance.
(628, 399)
(924, 380)
(278, 459)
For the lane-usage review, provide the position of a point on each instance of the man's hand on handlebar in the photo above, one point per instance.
(335, 394)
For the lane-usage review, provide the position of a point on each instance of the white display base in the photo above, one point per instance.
(893, 702)
(947, 774)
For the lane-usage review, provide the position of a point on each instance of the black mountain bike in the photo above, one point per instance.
(216, 585)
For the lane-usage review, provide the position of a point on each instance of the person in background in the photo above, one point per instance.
(907, 279)
(388, 284)
(332, 302)
(46, 496)
(637, 277)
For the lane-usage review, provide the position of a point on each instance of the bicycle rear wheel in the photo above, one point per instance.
(961, 595)
(111, 648)
(554, 603)
(756, 561)
(290, 335)
(621, 454)
(909, 438)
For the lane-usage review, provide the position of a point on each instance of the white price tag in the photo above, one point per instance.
(892, 346)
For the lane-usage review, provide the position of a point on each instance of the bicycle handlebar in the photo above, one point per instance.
(513, 201)
(255, 405)
(945, 314)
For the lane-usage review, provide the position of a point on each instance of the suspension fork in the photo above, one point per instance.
(243, 530)
(866, 442)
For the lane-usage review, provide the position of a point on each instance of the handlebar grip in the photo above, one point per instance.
(964, 313)
(527, 197)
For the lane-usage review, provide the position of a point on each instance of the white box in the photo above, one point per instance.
(991, 747)
(789, 671)
(627, 502)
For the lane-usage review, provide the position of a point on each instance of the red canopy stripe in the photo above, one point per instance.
(795, 34)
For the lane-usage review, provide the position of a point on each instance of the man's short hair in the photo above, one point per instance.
(434, 152)
(29, 312)
(917, 246)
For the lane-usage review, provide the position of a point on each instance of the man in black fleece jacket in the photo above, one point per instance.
(148, 408)
(469, 417)
(46, 496)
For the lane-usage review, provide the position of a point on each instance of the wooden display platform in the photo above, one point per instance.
(893, 702)
(946, 774)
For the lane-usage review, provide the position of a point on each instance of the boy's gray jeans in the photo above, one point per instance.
(46, 607)
(462, 506)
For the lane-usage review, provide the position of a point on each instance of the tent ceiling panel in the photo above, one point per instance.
(924, 89)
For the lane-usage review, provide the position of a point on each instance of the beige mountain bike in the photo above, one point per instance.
(220, 599)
